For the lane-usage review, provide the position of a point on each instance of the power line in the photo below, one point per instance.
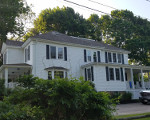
(116, 8)
(102, 4)
(86, 7)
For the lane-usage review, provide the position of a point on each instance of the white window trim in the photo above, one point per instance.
(53, 71)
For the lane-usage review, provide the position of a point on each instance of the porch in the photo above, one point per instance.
(10, 72)
(137, 78)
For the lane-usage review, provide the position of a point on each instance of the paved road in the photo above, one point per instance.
(132, 108)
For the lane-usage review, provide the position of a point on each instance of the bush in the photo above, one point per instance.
(121, 97)
(61, 99)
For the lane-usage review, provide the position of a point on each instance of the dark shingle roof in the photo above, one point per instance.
(14, 43)
(59, 37)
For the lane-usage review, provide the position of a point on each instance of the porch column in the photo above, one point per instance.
(131, 70)
(143, 84)
(6, 77)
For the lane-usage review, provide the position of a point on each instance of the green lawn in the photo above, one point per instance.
(133, 115)
(143, 118)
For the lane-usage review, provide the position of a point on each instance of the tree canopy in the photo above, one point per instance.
(124, 30)
(11, 12)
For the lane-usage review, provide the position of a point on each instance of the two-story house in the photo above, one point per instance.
(54, 54)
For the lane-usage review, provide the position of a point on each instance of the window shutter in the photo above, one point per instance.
(106, 57)
(47, 52)
(65, 53)
(98, 55)
(92, 73)
(107, 74)
(85, 60)
(122, 76)
(122, 59)
(85, 73)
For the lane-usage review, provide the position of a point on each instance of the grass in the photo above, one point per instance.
(148, 118)
(133, 115)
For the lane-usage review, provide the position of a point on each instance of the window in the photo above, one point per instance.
(59, 74)
(89, 74)
(119, 58)
(27, 53)
(60, 53)
(5, 58)
(111, 73)
(49, 75)
(89, 55)
(94, 57)
(114, 57)
(117, 73)
(53, 52)
(109, 57)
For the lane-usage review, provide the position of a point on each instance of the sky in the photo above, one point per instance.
(138, 7)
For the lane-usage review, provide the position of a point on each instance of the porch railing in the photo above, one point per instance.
(12, 84)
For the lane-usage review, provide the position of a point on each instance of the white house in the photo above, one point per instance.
(54, 54)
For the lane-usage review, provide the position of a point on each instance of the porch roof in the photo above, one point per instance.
(55, 67)
(19, 65)
(117, 65)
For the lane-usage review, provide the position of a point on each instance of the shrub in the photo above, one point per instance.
(121, 97)
(62, 99)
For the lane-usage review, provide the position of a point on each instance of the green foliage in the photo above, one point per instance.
(63, 20)
(60, 99)
(125, 30)
(2, 88)
(11, 14)
(27, 81)
(121, 97)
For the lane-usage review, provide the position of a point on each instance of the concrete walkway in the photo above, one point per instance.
(132, 108)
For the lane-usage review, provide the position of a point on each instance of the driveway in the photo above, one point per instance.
(132, 108)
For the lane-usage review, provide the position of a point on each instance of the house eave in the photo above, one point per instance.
(117, 65)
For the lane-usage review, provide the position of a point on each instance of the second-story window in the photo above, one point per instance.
(109, 57)
(89, 55)
(27, 53)
(114, 58)
(94, 57)
(60, 53)
(4, 58)
(119, 58)
(53, 52)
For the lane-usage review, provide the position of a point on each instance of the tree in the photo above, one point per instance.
(127, 31)
(11, 12)
(59, 99)
(63, 20)
(94, 29)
